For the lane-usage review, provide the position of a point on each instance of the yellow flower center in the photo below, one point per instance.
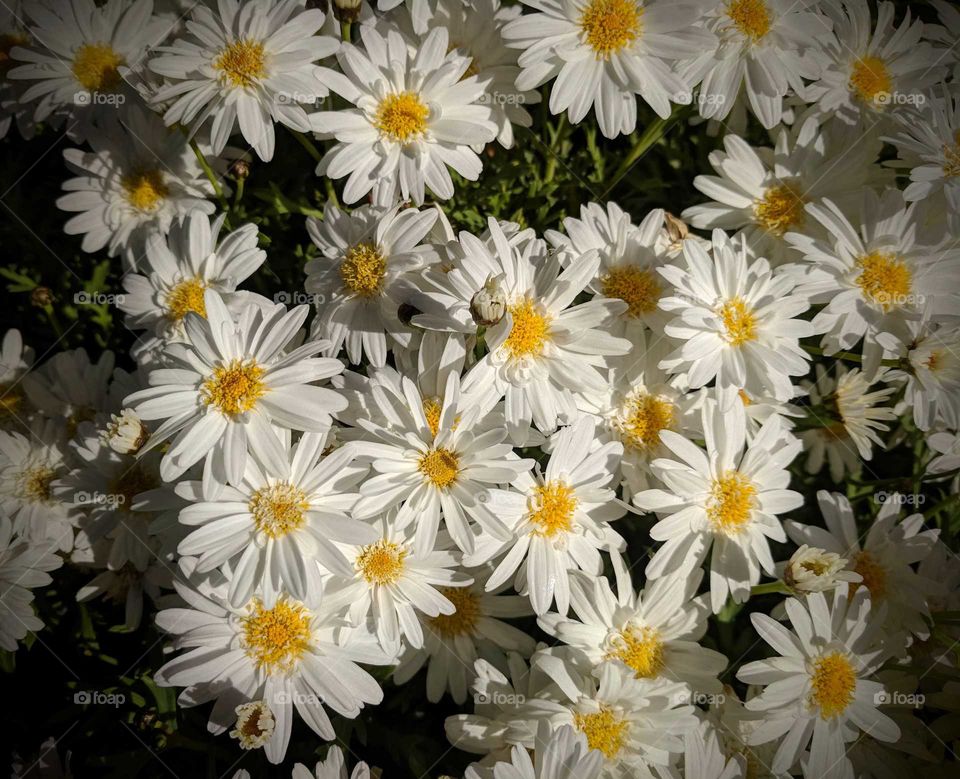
(781, 209)
(278, 509)
(10, 399)
(144, 189)
(402, 117)
(610, 25)
(464, 619)
(185, 297)
(951, 157)
(7, 42)
(95, 66)
(935, 361)
(884, 280)
(551, 508)
(637, 287)
(604, 730)
(731, 502)
(739, 322)
(440, 467)
(35, 484)
(382, 562)
(432, 408)
(276, 638)
(645, 416)
(639, 648)
(870, 78)
(363, 270)
(530, 331)
(234, 388)
(873, 573)
(832, 684)
(751, 17)
(242, 63)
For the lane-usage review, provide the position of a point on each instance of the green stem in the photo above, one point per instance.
(345, 30)
(653, 133)
(816, 351)
(307, 144)
(211, 176)
(54, 320)
(770, 588)
(555, 138)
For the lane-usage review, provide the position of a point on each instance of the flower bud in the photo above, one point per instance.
(255, 724)
(814, 570)
(125, 433)
(489, 304)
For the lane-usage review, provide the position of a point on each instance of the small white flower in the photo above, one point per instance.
(125, 433)
(255, 725)
(811, 569)
(557, 754)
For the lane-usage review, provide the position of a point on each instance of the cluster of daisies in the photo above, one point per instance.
(462, 429)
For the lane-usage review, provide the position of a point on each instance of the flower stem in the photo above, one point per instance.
(770, 588)
(211, 176)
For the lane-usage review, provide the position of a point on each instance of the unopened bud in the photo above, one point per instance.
(814, 570)
(489, 304)
(676, 229)
(240, 169)
(255, 724)
(346, 10)
(41, 297)
(125, 433)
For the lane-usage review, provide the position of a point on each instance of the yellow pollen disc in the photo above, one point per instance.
(604, 730)
(530, 331)
(95, 66)
(131, 483)
(10, 399)
(644, 417)
(402, 117)
(873, 573)
(234, 388)
(780, 209)
(363, 270)
(951, 157)
(276, 638)
(185, 297)
(242, 63)
(832, 684)
(144, 190)
(551, 509)
(870, 78)
(278, 509)
(935, 361)
(884, 280)
(751, 17)
(637, 287)
(440, 467)
(610, 25)
(732, 499)
(639, 648)
(35, 484)
(816, 567)
(7, 42)
(464, 619)
(739, 322)
(382, 562)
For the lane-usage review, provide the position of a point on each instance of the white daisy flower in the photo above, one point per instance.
(139, 177)
(543, 352)
(763, 191)
(949, 33)
(947, 447)
(453, 642)
(654, 631)
(333, 766)
(80, 55)
(392, 581)
(928, 144)
(126, 586)
(475, 31)
(230, 382)
(70, 386)
(820, 691)
(637, 724)
(883, 557)
(13, 32)
(125, 433)
(292, 655)
(767, 48)
(629, 257)
(365, 255)
(871, 71)
(246, 65)
(436, 457)
(15, 361)
(29, 467)
(604, 52)
(703, 756)
(180, 267)
(24, 565)
(725, 500)
(415, 115)
(873, 276)
(848, 417)
(558, 753)
(736, 322)
(560, 520)
(811, 569)
(277, 527)
(931, 359)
